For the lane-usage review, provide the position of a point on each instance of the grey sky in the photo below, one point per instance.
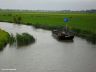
(48, 4)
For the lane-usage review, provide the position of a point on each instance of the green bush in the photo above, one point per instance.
(17, 19)
(24, 39)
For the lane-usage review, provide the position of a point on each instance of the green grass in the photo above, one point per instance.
(79, 21)
(82, 23)
(4, 36)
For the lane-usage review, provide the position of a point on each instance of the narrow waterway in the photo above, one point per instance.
(47, 54)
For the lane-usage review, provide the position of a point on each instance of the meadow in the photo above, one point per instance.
(84, 24)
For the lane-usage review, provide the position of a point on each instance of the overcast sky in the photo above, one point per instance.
(48, 4)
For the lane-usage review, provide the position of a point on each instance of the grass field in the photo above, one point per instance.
(82, 23)
(4, 36)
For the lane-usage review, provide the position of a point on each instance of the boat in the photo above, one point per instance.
(63, 34)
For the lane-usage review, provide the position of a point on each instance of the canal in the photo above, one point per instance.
(47, 54)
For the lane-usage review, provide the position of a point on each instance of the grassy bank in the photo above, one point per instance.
(83, 24)
(4, 36)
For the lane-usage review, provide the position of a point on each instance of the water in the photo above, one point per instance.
(47, 54)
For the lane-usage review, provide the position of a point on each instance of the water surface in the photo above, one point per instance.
(47, 54)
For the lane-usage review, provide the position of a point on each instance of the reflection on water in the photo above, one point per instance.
(47, 54)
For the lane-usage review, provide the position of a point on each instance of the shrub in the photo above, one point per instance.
(24, 39)
(17, 19)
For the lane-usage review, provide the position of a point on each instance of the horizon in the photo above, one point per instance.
(45, 10)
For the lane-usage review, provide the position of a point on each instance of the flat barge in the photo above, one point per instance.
(63, 34)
